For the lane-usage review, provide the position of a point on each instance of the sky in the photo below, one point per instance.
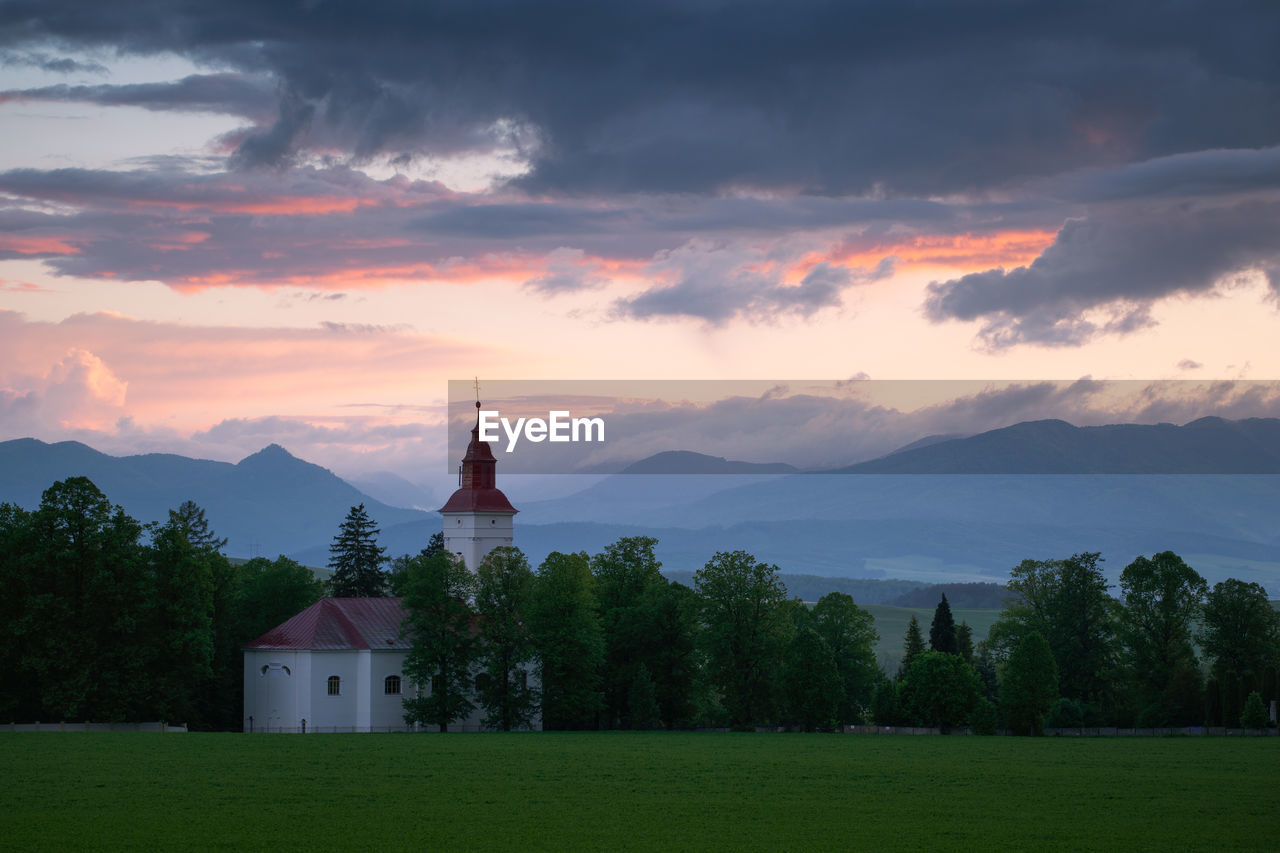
(229, 224)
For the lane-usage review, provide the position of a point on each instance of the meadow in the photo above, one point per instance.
(634, 791)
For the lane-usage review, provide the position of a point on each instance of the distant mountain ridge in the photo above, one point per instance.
(688, 462)
(268, 503)
(1205, 446)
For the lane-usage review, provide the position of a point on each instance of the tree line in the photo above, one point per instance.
(108, 619)
(1168, 652)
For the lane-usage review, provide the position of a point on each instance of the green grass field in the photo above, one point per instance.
(623, 791)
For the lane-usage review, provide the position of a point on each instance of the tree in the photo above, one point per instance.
(939, 689)
(504, 588)
(398, 576)
(745, 632)
(356, 559)
(884, 704)
(1254, 715)
(643, 702)
(912, 645)
(850, 633)
(624, 572)
(1029, 685)
(443, 640)
(181, 644)
(569, 641)
(83, 625)
(1241, 632)
(1066, 601)
(670, 617)
(964, 642)
(1163, 597)
(811, 681)
(942, 631)
(190, 518)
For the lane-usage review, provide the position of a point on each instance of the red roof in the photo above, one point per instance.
(477, 480)
(340, 623)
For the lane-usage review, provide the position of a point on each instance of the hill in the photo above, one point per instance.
(1204, 446)
(268, 503)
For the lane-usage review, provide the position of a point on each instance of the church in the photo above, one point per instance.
(338, 666)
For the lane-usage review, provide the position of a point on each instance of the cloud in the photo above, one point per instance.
(720, 283)
(92, 369)
(1189, 364)
(249, 97)
(567, 271)
(1116, 263)
(673, 96)
(45, 62)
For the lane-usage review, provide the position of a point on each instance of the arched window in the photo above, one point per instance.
(335, 685)
(391, 686)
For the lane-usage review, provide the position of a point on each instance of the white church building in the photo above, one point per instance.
(338, 666)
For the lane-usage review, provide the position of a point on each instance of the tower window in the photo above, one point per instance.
(335, 685)
(391, 686)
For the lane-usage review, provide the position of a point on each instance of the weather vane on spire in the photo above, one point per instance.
(477, 392)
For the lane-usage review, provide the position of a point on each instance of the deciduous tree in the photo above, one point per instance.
(745, 631)
(569, 641)
(1029, 685)
(850, 633)
(504, 590)
(443, 639)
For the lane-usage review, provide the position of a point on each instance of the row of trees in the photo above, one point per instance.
(1169, 651)
(106, 619)
(617, 645)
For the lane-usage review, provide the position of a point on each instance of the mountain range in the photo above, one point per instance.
(941, 509)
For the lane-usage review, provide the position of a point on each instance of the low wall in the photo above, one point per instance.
(93, 727)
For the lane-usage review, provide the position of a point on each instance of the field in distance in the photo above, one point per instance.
(634, 791)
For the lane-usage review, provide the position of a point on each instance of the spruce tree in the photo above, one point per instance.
(912, 644)
(942, 632)
(356, 558)
(964, 641)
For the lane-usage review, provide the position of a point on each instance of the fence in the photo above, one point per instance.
(1103, 731)
(94, 727)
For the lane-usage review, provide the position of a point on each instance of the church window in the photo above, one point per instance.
(391, 686)
(335, 685)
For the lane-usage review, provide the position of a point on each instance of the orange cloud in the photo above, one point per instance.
(959, 252)
(29, 245)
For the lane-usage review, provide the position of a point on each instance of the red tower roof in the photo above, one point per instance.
(477, 483)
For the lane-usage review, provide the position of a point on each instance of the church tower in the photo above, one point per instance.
(477, 517)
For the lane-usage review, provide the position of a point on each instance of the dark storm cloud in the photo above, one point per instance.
(232, 94)
(45, 62)
(1118, 261)
(678, 96)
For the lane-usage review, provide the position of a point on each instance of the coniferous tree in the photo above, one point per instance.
(942, 631)
(912, 645)
(190, 517)
(964, 642)
(356, 558)
(1254, 715)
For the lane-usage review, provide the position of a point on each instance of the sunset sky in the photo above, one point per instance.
(224, 224)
